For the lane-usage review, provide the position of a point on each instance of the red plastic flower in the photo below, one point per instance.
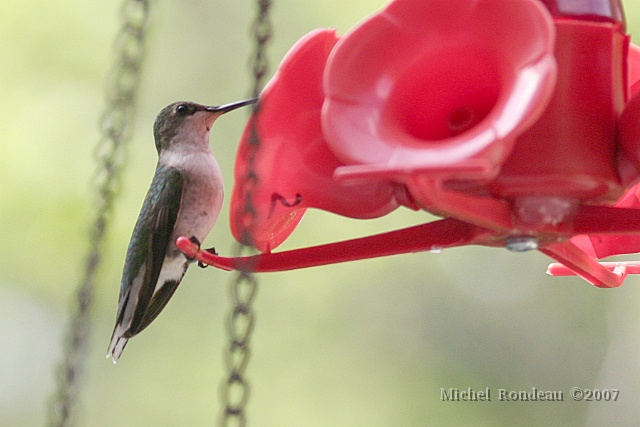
(294, 165)
(440, 87)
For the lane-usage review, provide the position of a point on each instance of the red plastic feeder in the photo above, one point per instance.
(516, 121)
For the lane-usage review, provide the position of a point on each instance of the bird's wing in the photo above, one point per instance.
(162, 221)
(147, 250)
(138, 305)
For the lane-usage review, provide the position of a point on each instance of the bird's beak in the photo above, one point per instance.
(229, 107)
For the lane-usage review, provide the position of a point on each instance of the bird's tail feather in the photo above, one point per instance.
(116, 347)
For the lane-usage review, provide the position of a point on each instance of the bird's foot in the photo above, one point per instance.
(196, 242)
(211, 249)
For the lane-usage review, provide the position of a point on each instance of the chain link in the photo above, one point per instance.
(115, 127)
(243, 287)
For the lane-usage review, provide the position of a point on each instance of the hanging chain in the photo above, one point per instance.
(243, 287)
(262, 33)
(115, 126)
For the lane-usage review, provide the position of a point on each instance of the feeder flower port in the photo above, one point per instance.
(517, 121)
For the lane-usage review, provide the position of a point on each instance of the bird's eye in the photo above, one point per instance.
(182, 110)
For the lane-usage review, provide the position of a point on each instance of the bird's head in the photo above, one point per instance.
(189, 121)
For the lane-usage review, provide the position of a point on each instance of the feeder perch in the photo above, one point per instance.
(518, 122)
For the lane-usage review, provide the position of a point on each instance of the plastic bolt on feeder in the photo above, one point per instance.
(518, 122)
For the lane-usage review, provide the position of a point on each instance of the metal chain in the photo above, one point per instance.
(115, 130)
(262, 33)
(243, 287)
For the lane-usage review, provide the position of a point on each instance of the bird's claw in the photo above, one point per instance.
(196, 242)
(211, 249)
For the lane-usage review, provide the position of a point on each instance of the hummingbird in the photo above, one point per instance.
(184, 199)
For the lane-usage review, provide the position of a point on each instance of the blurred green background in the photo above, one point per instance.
(367, 343)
